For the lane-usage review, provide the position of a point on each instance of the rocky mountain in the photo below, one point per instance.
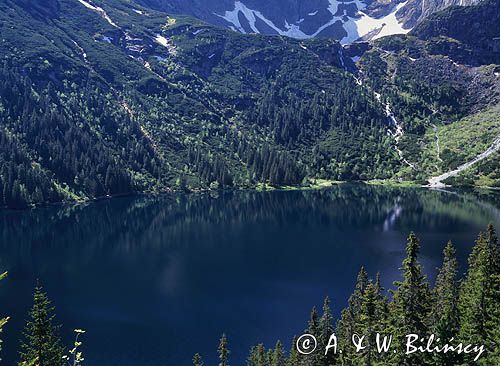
(469, 34)
(344, 20)
(109, 97)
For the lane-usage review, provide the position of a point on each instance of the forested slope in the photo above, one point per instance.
(107, 97)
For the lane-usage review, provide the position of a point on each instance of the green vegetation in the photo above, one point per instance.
(42, 344)
(460, 142)
(467, 311)
(431, 96)
(152, 102)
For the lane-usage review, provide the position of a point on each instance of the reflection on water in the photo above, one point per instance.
(154, 280)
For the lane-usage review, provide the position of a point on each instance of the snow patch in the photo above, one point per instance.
(251, 15)
(166, 43)
(356, 26)
(138, 11)
(100, 10)
(360, 27)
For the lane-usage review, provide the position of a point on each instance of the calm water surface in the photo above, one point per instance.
(154, 280)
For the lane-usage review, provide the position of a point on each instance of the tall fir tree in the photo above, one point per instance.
(410, 306)
(197, 360)
(368, 326)
(278, 355)
(294, 358)
(479, 297)
(444, 318)
(493, 323)
(324, 333)
(223, 351)
(349, 321)
(258, 356)
(42, 343)
(314, 358)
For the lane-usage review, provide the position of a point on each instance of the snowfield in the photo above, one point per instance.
(357, 26)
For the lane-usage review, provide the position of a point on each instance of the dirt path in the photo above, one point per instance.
(437, 182)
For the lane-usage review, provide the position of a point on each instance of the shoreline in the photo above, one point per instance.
(318, 184)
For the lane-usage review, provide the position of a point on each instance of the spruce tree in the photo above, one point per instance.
(444, 319)
(479, 298)
(258, 356)
(368, 326)
(324, 332)
(223, 351)
(278, 356)
(349, 322)
(409, 308)
(494, 249)
(473, 294)
(197, 360)
(294, 358)
(42, 342)
(314, 358)
(493, 323)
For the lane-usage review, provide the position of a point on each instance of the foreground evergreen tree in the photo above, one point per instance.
(349, 322)
(197, 360)
(479, 297)
(325, 331)
(410, 306)
(372, 320)
(258, 356)
(223, 351)
(444, 318)
(493, 300)
(278, 357)
(294, 358)
(493, 323)
(42, 343)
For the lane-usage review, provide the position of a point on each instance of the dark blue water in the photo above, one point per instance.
(154, 280)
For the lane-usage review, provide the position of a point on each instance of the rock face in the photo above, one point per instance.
(415, 11)
(345, 20)
(467, 34)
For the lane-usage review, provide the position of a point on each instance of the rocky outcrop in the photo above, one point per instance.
(415, 11)
(466, 34)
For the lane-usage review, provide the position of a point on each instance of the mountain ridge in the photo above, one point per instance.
(105, 98)
(344, 20)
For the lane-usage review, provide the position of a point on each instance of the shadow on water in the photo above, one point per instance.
(154, 280)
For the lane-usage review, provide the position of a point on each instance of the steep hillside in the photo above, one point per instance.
(103, 98)
(432, 92)
(106, 98)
